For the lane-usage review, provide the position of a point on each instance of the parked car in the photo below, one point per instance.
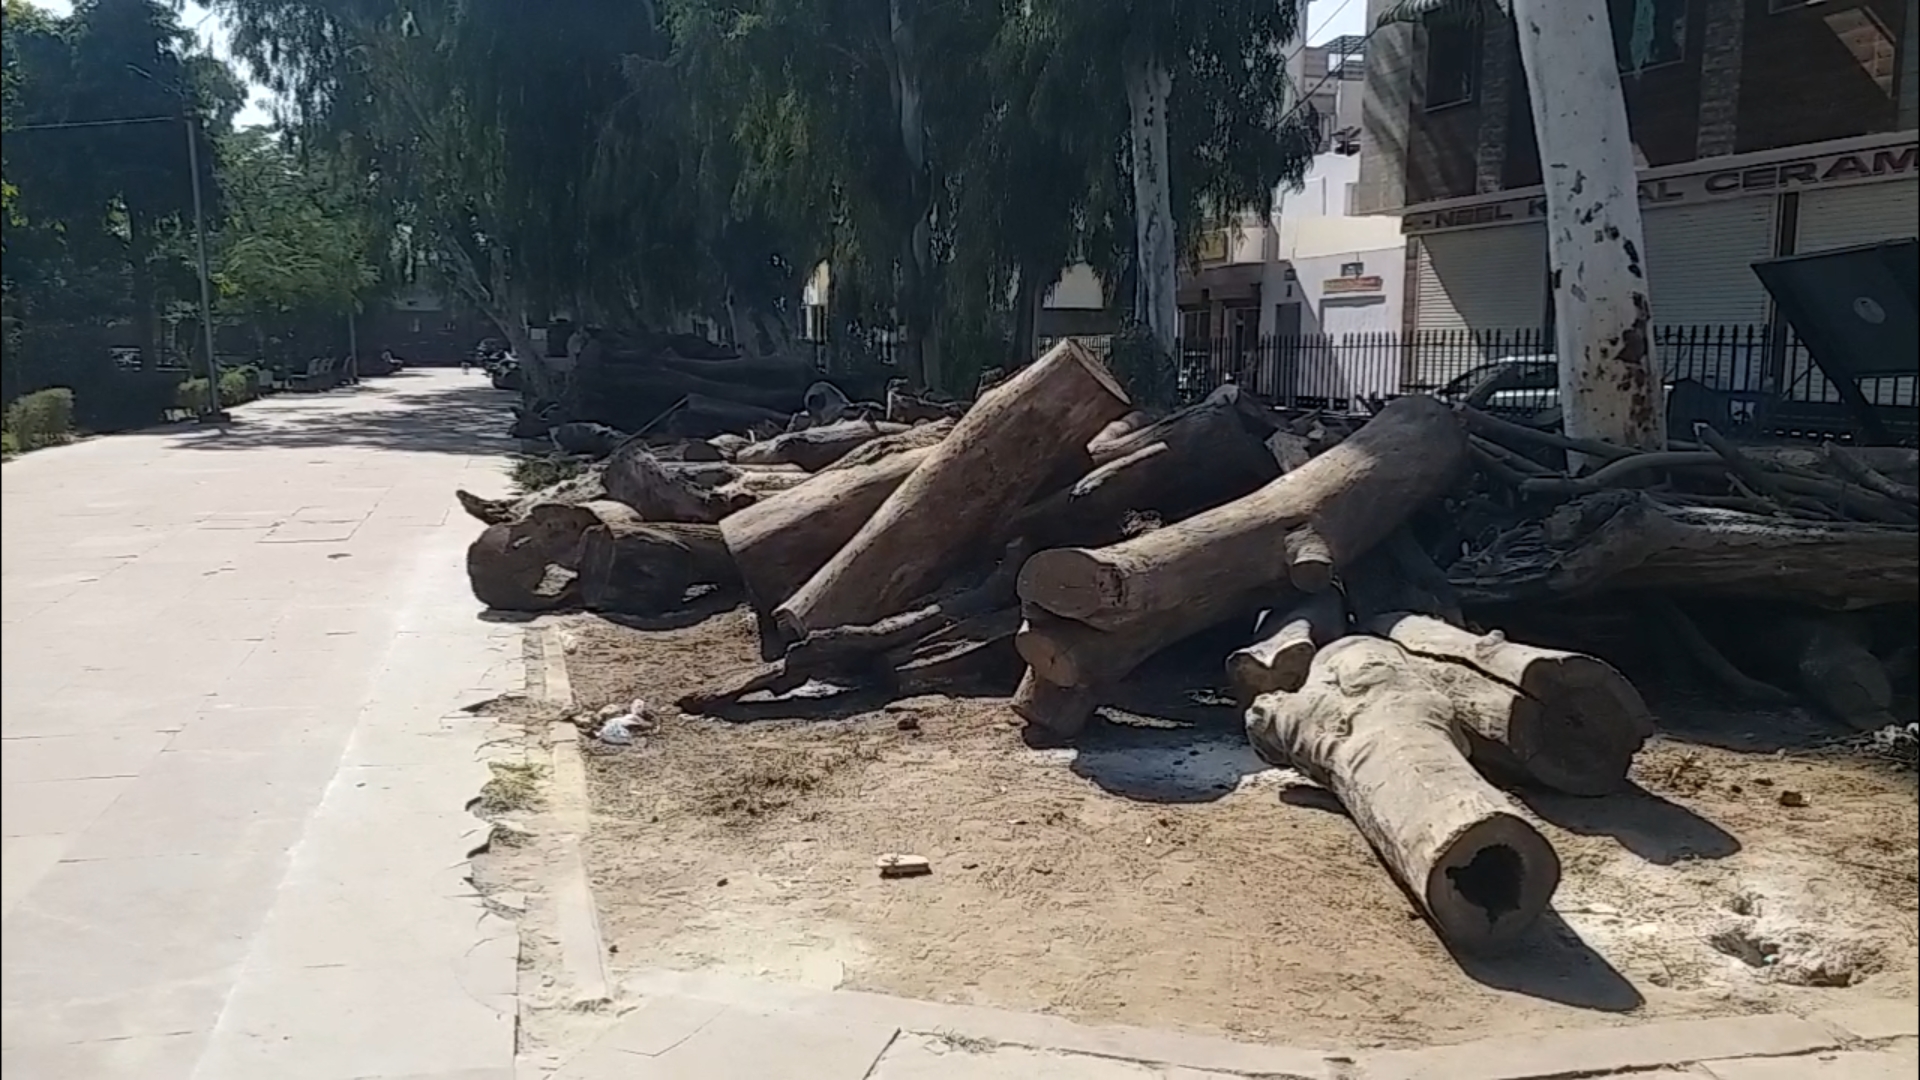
(1520, 387)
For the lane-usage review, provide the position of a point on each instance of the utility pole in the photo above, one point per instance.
(214, 414)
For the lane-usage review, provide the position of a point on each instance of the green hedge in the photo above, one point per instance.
(237, 387)
(42, 418)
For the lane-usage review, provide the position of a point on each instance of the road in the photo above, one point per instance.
(236, 768)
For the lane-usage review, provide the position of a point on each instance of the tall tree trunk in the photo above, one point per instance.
(146, 319)
(903, 65)
(1027, 298)
(1149, 84)
(1609, 378)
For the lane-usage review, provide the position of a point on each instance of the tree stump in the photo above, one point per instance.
(1301, 526)
(1562, 719)
(947, 512)
(1369, 728)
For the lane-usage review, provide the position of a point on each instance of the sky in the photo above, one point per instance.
(1325, 19)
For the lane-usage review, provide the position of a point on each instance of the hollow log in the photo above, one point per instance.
(780, 542)
(1631, 541)
(1287, 638)
(1368, 727)
(631, 566)
(1563, 719)
(1335, 507)
(816, 447)
(917, 437)
(970, 483)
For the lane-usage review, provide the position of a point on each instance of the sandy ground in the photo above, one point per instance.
(1161, 875)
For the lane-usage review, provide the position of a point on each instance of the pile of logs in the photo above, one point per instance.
(1049, 540)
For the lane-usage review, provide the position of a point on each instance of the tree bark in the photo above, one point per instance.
(782, 541)
(1288, 638)
(815, 448)
(1562, 719)
(1371, 730)
(1330, 510)
(1070, 653)
(1061, 712)
(948, 510)
(1148, 85)
(631, 566)
(1610, 387)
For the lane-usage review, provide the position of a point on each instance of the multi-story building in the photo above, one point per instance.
(1761, 128)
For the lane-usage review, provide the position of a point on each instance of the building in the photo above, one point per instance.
(1761, 128)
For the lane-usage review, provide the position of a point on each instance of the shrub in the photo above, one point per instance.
(237, 387)
(42, 418)
(190, 394)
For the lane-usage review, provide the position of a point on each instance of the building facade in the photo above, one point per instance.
(1761, 128)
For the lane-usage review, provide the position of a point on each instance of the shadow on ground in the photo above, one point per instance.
(396, 412)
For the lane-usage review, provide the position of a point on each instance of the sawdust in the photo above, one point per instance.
(1162, 875)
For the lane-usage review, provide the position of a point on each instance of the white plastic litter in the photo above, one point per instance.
(621, 729)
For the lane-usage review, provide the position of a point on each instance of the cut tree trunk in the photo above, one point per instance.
(634, 567)
(782, 541)
(1609, 386)
(530, 564)
(1830, 663)
(949, 509)
(1369, 728)
(815, 448)
(1061, 712)
(1562, 719)
(1195, 459)
(1287, 640)
(1299, 527)
(661, 492)
(917, 437)
(1149, 84)
(1629, 541)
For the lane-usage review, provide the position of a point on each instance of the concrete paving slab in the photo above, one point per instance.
(1875, 1020)
(57, 807)
(1843, 1065)
(1602, 1050)
(947, 1057)
(741, 1044)
(150, 1057)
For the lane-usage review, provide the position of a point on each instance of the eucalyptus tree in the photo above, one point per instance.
(1212, 126)
(1610, 386)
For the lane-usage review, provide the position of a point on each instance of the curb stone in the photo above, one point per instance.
(583, 949)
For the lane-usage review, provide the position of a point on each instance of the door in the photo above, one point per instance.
(1361, 364)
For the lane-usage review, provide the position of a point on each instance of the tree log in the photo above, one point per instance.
(917, 437)
(1193, 460)
(782, 541)
(1287, 640)
(1368, 727)
(664, 493)
(631, 566)
(530, 564)
(1335, 507)
(1630, 541)
(1070, 653)
(585, 487)
(1060, 711)
(968, 486)
(815, 448)
(1830, 663)
(1563, 719)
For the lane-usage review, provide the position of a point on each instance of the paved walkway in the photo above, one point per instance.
(235, 770)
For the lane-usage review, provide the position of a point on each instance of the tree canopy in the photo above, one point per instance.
(670, 160)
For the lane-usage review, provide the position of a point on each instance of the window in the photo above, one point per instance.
(1453, 64)
(1353, 269)
(1648, 33)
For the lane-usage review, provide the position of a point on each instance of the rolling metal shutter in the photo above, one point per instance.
(1700, 262)
(1843, 217)
(1482, 280)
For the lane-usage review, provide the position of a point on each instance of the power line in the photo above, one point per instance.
(63, 124)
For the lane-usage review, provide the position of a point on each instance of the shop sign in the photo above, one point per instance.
(1796, 175)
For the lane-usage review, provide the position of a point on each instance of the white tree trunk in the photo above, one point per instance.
(1610, 385)
(1149, 84)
